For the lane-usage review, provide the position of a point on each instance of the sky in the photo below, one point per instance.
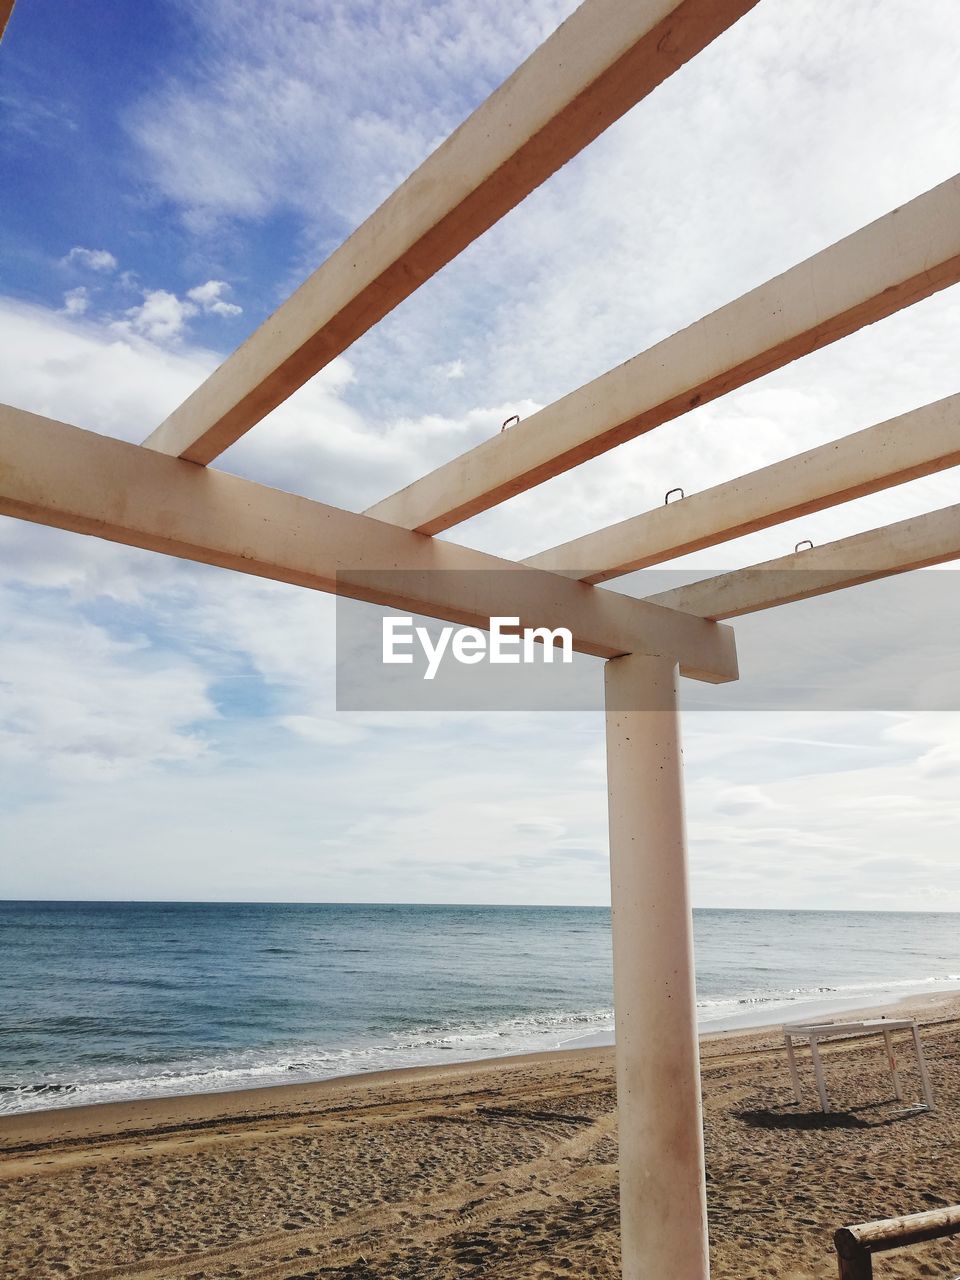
(169, 731)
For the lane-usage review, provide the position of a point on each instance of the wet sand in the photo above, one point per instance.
(494, 1171)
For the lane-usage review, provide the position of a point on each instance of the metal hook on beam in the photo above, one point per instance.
(804, 542)
(667, 496)
(510, 422)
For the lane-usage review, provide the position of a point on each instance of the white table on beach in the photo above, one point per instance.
(814, 1032)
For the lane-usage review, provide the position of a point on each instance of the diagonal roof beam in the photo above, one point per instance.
(880, 553)
(59, 475)
(604, 59)
(914, 444)
(6, 9)
(902, 257)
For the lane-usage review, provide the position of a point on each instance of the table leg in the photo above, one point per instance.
(924, 1074)
(818, 1073)
(792, 1064)
(892, 1062)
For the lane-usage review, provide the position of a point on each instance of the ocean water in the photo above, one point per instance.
(106, 1001)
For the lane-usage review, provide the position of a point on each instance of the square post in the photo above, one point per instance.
(792, 1064)
(892, 1063)
(922, 1064)
(663, 1209)
(818, 1073)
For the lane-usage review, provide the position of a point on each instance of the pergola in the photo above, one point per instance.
(165, 496)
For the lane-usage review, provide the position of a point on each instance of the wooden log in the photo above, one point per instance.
(858, 1267)
(896, 1233)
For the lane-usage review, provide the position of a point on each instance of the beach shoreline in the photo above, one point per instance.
(475, 1169)
(114, 1002)
(921, 1006)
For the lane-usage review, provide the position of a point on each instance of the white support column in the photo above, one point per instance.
(663, 1210)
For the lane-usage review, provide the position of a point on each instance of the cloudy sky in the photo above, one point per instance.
(169, 731)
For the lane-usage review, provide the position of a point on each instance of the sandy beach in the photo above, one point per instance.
(498, 1170)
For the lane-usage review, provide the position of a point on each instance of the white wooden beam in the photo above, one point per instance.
(6, 9)
(59, 475)
(914, 444)
(604, 59)
(903, 257)
(880, 553)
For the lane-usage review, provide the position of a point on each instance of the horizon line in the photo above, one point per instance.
(538, 906)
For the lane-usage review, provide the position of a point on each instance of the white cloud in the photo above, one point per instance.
(630, 242)
(112, 379)
(323, 730)
(210, 297)
(872, 832)
(91, 374)
(161, 316)
(76, 301)
(743, 798)
(467, 808)
(80, 704)
(91, 259)
(303, 119)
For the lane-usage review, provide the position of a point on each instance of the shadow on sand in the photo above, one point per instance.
(792, 1118)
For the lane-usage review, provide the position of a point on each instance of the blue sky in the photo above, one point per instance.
(170, 173)
(73, 79)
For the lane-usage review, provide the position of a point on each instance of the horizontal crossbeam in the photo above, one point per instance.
(904, 256)
(917, 543)
(604, 59)
(914, 444)
(856, 1243)
(60, 475)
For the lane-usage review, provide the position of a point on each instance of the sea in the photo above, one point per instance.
(104, 1001)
